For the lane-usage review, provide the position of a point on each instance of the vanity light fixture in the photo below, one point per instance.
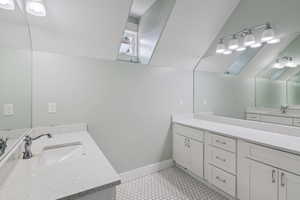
(286, 61)
(36, 8)
(247, 38)
(7, 4)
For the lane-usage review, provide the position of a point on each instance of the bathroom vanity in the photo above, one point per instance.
(69, 165)
(244, 163)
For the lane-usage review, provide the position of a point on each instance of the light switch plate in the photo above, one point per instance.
(51, 107)
(8, 109)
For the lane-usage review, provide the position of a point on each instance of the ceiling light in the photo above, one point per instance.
(221, 47)
(233, 43)
(7, 4)
(274, 41)
(249, 39)
(227, 52)
(256, 45)
(268, 33)
(36, 8)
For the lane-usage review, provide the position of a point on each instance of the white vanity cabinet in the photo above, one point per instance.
(188, 148)
(265, 173)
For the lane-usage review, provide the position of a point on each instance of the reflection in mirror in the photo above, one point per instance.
(254, 82)
(15, 77)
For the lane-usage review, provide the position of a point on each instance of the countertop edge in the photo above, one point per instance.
(275, 147)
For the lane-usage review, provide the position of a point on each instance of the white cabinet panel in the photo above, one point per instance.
(196, 157)
(253, 116)
(289, 186)
(263, 182)
(222, 142)
(223, 159)
(180, 150)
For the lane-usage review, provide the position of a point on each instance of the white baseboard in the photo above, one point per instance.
(146, 170)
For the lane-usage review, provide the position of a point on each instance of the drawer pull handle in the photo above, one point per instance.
(221, 180)
(222, 159)
(221, 142)
(282, 177)
(273, 176)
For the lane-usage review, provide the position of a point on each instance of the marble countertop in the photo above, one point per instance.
(35, 179)
(274, 140)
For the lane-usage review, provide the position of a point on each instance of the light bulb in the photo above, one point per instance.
(221, 47)
(256, 45)
(274, 41)
(233, 43)
(278, 65)
(36, 8)
(249, 39)
(268, 34)
(7, 4)
(241, 48)
(227, 52)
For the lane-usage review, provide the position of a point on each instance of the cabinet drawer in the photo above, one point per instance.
(283, 160)
(296, 122)
(223, 181)
(222, 142)
(188, 132)
(223, 159)
(277, 120)
(253, 116)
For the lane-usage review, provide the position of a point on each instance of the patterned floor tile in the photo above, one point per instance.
(169, 184)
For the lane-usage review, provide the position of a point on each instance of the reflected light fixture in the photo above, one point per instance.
(221, 47)
(290, 62)
(268, 33)
(233, 43)
(36, 8)
(249, 39)
(278, 65)
(241, 48)
(7, 4)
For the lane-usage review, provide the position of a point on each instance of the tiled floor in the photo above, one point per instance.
(169, 184)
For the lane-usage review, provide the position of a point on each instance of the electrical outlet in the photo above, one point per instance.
(8, 109)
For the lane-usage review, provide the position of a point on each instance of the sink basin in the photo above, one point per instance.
(59, 153)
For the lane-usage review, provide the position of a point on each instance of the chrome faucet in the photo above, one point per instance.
(27, 154)
(3, 145)
(283, 109)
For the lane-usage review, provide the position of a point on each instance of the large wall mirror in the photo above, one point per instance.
(15, 76)
(252, 69)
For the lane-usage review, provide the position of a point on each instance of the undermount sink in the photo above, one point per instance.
(59, 153)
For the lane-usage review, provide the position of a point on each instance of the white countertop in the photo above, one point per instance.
(31, 180)
(275, 140)
(294, 113)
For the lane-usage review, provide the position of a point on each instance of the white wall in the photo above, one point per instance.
(127, 106)
(223, 95)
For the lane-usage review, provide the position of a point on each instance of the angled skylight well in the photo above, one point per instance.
(143, 30)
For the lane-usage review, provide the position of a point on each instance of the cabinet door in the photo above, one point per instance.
(263, 182)
(196, 157)
(289, 186)
(180, 150)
